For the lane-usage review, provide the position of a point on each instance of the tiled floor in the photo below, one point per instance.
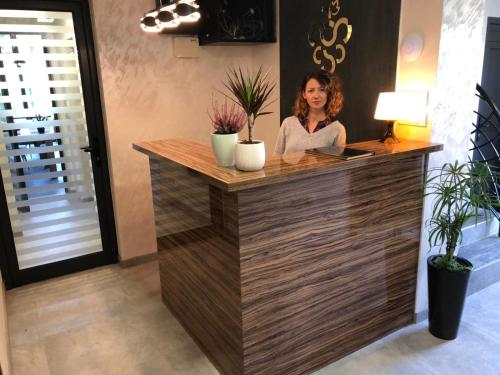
(111, 320)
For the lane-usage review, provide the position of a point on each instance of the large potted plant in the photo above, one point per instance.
(253, 94)
(227, 122)
(460, 192)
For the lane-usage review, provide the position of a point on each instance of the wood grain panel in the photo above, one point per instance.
(200, 283)
(286, 168)
(224, 214)
(316, 292)
(197, 236)
(180, 198)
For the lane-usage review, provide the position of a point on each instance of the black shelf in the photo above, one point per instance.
(237, 22)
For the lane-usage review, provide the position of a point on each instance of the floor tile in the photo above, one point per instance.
(111, 320)
(29, 360)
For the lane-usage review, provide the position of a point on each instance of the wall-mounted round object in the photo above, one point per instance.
(412, 46)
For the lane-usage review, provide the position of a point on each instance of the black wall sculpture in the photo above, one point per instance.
(357, 39)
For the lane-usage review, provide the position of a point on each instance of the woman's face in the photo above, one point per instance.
(315, 95)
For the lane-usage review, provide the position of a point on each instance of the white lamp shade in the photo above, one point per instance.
(402, 106)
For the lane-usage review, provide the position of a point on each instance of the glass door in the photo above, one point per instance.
(55, 186)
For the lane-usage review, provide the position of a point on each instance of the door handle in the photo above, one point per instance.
(94, 152)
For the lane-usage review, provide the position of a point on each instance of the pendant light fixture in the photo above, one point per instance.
(187, 11)
(148, 22)
(166, 19)
(170, 15)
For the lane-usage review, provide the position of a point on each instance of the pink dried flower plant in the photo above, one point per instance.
(225, 119)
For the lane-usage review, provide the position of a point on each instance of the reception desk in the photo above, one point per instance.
(287, 269)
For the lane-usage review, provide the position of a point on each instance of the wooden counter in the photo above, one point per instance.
(285, 270)
(200, 158)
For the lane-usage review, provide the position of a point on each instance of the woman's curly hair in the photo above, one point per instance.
(335, 98)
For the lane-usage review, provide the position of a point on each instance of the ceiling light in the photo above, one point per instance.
(166, 19)
(170, 15)
(169, 7)
(187, 12)
(149, 24)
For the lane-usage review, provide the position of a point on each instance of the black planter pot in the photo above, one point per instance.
(447, 291)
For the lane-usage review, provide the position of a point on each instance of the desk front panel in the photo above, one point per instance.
(328, 264)
(288, 277)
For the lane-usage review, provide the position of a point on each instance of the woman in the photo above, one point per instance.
(313, 124)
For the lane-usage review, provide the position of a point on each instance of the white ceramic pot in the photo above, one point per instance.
(224, 146)
(250, 157)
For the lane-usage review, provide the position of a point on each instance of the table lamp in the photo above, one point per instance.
(408, 107)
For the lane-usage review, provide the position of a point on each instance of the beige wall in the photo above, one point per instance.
(424, 17)
(4, 335)
(149, 94)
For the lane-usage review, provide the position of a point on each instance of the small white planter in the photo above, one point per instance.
(250, 157)
(224, 146)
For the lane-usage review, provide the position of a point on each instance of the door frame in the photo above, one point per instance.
(87, 60)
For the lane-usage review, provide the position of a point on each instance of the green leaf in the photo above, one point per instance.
(459, 192)
(251, 92)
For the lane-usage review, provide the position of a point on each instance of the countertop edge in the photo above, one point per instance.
(260, 181)
(214, 181)
(325, 169)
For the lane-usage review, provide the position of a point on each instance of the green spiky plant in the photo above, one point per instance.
(251, 92)
(460, 192)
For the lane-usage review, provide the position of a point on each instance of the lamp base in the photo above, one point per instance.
(390, 134)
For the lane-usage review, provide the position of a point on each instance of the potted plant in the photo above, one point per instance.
(227, 122)
(252, 93)
(460, 192)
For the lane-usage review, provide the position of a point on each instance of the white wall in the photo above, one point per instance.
(449, 67)
(453, 101)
